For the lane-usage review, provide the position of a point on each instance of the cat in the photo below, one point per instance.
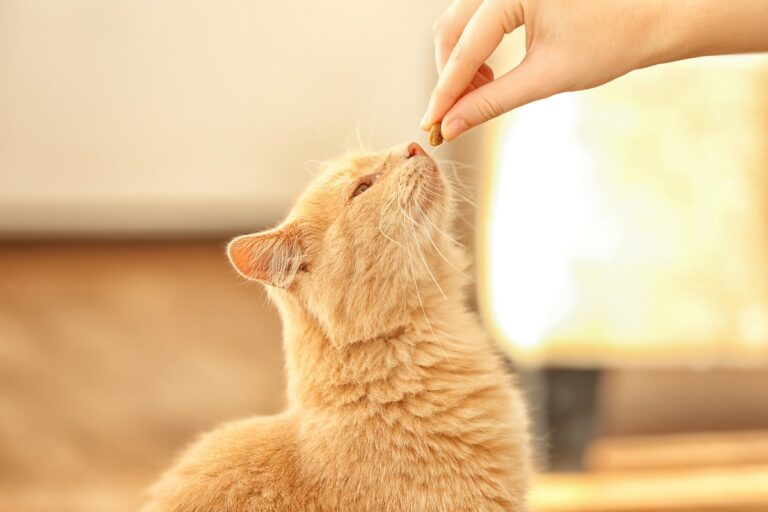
(397, 399)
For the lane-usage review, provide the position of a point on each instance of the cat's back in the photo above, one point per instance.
(246, 465)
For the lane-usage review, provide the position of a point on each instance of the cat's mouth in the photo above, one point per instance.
(421, 187)
(428, 165)
(416, 155)
(419, 162)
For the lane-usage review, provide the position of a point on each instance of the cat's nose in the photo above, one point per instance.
(415, 150)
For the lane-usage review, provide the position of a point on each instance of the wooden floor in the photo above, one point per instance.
(691, 472)
(693, 489)
(112, 357)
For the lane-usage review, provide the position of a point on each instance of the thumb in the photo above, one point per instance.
(527, 82)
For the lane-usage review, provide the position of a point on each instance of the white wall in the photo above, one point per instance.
(137, 115)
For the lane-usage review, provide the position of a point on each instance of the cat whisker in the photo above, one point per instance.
(447, 236)
(358, 135)
(458, 193)
(423, 259)
(381, 218)
(458, 185)
(434, 193)
(421, 304)
(462, 191)
(313, 167)
(454, 164)
(450, 264)
(440, 253)
(457, 211)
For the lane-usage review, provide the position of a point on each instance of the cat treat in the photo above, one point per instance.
(435, 135)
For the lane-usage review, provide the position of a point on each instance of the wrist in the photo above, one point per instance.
(696, 28)
(666, 40)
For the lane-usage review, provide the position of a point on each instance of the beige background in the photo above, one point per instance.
(137, 115)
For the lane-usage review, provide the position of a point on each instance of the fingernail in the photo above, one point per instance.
(454, 128)
(423, 124)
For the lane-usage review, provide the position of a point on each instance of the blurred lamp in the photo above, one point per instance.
(628, 225)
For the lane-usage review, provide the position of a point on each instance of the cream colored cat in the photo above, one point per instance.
(397, 400)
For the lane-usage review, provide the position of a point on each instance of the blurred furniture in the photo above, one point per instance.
(712, 472)
(716, 449)
(667, 441)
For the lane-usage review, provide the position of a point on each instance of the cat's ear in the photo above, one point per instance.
(272, 257)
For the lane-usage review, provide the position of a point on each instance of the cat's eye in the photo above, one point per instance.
(361, 188)
(366, 182)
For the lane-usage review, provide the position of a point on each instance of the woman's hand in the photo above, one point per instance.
(573, 45)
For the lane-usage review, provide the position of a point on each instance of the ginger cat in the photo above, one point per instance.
(397, 399)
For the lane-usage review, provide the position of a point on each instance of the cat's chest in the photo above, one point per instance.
(405, 435)
(393, 468)
(440, 450)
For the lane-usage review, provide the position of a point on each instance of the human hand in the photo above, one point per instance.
(570, 45)
(573, 45)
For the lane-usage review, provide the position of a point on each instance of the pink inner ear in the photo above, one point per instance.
(248, 256)
(272, 257)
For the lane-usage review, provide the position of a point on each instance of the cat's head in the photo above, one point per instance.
(364, 245)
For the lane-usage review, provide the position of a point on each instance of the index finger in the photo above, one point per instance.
(448, 28)
(482, 35)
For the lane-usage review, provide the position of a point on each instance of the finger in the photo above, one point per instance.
(486, 71)
(482, 35)
(449, 26)
(527, 82)
(483, 76)
(478, 81)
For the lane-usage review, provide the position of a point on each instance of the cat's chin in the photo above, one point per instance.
(426, 166)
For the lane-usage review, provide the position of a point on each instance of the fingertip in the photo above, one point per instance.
(430, 116)
(452, 128)
(423, 121)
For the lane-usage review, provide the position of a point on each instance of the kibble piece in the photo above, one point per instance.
(435, 135)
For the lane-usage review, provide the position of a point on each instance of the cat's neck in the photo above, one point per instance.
(431, 340)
